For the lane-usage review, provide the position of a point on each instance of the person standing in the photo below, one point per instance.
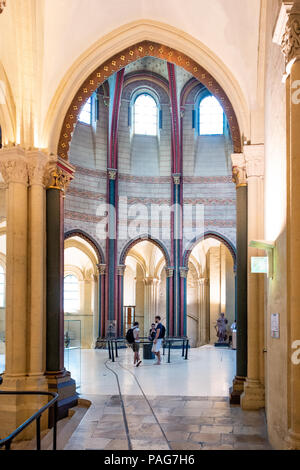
(136, 344)
(152, 332)
(159, 336)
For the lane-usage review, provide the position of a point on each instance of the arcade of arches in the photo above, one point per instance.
(140, 174)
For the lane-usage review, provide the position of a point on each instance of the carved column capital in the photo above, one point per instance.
(121, 270)
(14, 165)
(184, 272)
(169, 271)
(112, 173)
(101, 269)
(287, 31)
(255, 160)
(37, 163)
(203, 281)
(239, 176)
(176, 178)
(59, 174)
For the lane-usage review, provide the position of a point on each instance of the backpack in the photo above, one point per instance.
(129, 336)
(162, 332)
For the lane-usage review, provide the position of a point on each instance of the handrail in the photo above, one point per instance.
(35, 417)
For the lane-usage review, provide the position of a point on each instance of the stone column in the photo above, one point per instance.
(183, 281)
(101, 300)
(60, 175)
(150, 302)
(239, 177)
(121, 272)
(14, 410)
(169, 297)
(203, 322)
(253, 397)
(37, 162)
(13, 167)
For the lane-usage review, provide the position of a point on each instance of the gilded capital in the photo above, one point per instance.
(112, 173)
(59, 174)
(239, 176)
(176, 178)
(14, 165)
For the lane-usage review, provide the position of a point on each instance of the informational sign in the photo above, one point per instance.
(275, 325)
(259, 264)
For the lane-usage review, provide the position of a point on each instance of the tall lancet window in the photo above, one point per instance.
(71, 294)
(145, 115)
(85, 115)
(211, 117)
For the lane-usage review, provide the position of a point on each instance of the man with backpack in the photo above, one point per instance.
(133, 339)
(159, 336)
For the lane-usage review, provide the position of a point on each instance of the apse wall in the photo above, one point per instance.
(144, 175)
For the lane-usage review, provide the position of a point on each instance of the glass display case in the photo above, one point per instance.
(72, 339)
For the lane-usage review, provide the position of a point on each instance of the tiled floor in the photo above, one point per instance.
(188, 423)
(188, 398)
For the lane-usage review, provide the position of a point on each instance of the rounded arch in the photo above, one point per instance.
(216, 236)
(126, 36)
(142, 238)
(89, 239)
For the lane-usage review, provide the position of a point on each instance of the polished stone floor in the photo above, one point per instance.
(190, 409)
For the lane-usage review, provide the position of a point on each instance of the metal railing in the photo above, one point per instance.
(35, 417)
(112, 344)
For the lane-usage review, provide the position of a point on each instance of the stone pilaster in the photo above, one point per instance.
(150, 301)
(240, 179)
(287, 35)
(254, 394)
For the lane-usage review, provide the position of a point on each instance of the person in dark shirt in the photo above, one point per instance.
(152, 332)
(159, 336)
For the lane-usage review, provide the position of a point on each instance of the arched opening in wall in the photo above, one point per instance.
(144, 294)
(81, 303)
(210, 291)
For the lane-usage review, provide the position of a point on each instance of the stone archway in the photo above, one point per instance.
(129, 55)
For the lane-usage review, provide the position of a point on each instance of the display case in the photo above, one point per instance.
(72, 352)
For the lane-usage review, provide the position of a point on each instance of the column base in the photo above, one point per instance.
(15, 409)
(62, 383)
(236, 390)
(253, 397)
(293, 440)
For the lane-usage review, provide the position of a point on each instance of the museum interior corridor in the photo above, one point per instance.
(150, 167)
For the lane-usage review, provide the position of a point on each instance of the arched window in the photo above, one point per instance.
(85, 115)
(145, 115)
(211, 117)
(2, 287)
(71, 294)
